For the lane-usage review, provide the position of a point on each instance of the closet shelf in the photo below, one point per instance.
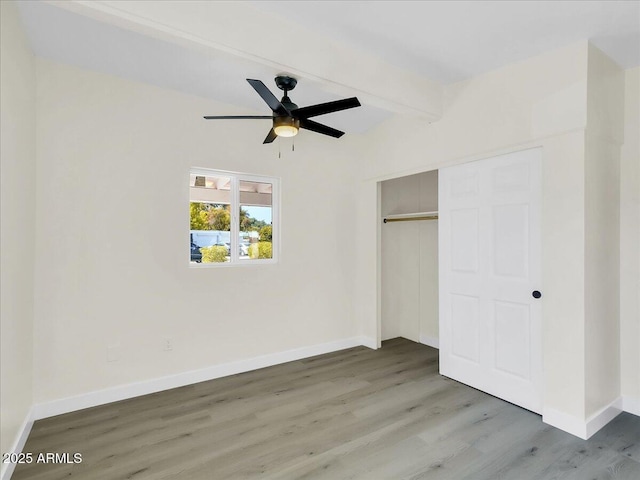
(408, 217)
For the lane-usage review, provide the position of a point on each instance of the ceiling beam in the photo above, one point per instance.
(238, 29)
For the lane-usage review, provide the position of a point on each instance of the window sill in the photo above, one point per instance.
(242, 263)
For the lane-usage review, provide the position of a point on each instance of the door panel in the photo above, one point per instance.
(511, 343)
(464, 326)
(489, 254)
(511, 240)
(464, 240)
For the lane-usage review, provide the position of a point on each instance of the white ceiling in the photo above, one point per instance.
(450, 41)
(444, 41)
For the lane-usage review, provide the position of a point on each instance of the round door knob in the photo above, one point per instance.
(536, 294)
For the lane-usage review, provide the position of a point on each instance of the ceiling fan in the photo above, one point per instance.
(287, 118)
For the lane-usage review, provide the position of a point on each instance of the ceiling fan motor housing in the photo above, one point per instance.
(288, 104)
(286, 125)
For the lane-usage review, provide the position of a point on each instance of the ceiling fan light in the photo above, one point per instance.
(286, 126)
(286, 131)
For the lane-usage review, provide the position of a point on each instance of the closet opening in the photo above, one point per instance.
(409, 258)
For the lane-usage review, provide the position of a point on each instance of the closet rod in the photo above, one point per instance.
(410, 219)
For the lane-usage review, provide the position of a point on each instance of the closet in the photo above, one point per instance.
(469, 283)
(409, 258)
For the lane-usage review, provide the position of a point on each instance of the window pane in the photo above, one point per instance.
(210, 211)
(256, 210)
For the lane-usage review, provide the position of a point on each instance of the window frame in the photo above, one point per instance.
(236, 178)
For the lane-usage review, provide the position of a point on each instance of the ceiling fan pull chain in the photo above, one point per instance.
(293, 144)
(279, 150)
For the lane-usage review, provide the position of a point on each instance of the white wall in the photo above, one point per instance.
(18, 228)
(409, 255)
(429, 286)
(111, 255)
(604, 135)
(630, 244)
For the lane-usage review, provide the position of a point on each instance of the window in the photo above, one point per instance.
(233, 218)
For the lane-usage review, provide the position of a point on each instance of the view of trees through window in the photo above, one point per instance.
(208, 216)
(214, 237)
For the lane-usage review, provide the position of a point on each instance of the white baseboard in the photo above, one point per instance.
(18, 445)
(631, 404)
(603, 416)
(564, 421)
(123, 392)
(368, 342)
(583, 428)
(430, 341)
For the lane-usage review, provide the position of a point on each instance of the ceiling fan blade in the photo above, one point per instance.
(244, 117)
(268, 97)
(329, 107)
(271, 136)
(320, 128)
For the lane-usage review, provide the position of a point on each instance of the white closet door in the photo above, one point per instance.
(489, 254)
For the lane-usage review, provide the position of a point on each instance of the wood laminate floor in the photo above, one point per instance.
(354, 414)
